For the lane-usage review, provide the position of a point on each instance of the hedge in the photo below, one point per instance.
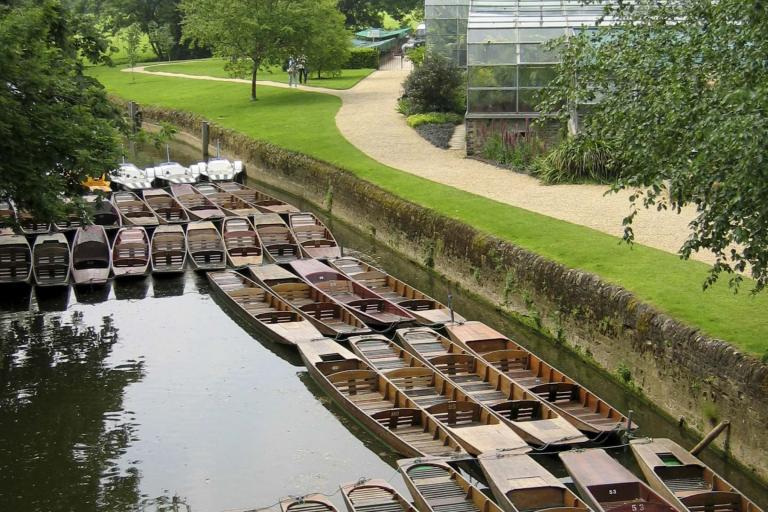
(363, 58)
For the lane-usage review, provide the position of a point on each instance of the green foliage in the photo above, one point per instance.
(362, 58)
(710, 412)
(361, 14)
(405, 107)
(261, 34)
(283, 123)
(162, 38)
(511, 150)
(681, 94)
(434, 118)
(624, 373)
(417, 55)
(579, 159)
(57, 126)
(435, 86)
(328, 49)
(132, 40)
(764, 358)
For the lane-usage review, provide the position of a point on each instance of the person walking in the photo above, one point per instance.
(292, 72)
(301, 65)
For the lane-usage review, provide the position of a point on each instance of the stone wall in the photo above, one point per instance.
(510, 129)
(692, 377)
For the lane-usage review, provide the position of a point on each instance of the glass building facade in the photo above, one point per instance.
(446, 23)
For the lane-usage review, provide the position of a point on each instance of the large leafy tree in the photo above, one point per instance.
(259, 33)
(681, 94)
(368, 13)
(57, 126)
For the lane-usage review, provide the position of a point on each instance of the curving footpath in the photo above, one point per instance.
(368, 119)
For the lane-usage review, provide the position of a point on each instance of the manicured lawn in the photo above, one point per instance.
(304, 121)
(215, 67)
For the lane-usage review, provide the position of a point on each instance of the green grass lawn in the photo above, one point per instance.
(304, 121)
(215, 67)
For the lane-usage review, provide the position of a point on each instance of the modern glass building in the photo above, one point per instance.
(506, 58)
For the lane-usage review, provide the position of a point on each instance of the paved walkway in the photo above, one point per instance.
(368, 119)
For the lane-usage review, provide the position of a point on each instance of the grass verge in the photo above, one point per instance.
(215, 67)
(305, 122)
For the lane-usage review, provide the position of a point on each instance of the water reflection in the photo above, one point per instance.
(93, 294)
(52, 299)
(131, 289)
(62, 424)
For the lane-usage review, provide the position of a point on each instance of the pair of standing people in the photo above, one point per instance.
(297, 71)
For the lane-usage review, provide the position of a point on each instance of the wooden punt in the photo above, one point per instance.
(584, 409)
(520, 484)
(198, 206)
(242, 242)
(373, 309)
(315, 239)
(371, 400)
(168, 249)
(473, 425)
(71, 220)
(267, 313)
(607, 486)
(29, 225)
(526, 413)
(104, 212)
(91, 256)
(167, 209)
(205, 246)
(330, 318)
(277, 240)
(437, 487)
(308, 503)
(130, 252)
(230, 204)
(422, 306)
(257, 198)
(7, 214)
(133, 210)
(51, 260)
(15, 259)
(685, 481)
(374, 496)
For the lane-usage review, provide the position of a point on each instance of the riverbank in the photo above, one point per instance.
(690, 376)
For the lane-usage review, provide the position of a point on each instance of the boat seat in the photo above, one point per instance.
(709, 501)
(354, 382)
(367, 305)
(321, 310)
(456, 414)
(519, 410)
(508, 360)
(557, 391)
(454, 364)
(276, 317)
(417, 304)
(335, 286)
(318, 242)
(396, 418)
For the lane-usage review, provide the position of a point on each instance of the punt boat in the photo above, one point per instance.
(165, 207)
(437, 487)
(330, 318)
(129, 177)
(374, 496)
(172, 173)
(267, 313)
(130, 252)
(584, 409)
(422, 306)
(198, 206)
(29, 225)
(607, 486)
(71, 220)
(372, 308)
(315, 239)
(259, 199)
(51, 260)
(684, 480)
(91, 256)
(242, 242)
(104, 212)
(473, 425)
(369, 398)
(133, 210)
(520, 484)
(228, 203)
(168, 249)
(15, 258)
(277, 239)
(308, 503)
(529, 417)
(205, 246)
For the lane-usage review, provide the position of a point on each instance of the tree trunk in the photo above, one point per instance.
(253, 79)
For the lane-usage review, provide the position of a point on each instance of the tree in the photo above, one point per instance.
(368, 13)
(163, 37)
(682, 94)
(57, 125)
(328, 47)
(258, 32)
(132, 38)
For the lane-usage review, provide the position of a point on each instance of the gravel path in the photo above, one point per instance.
(368, 119)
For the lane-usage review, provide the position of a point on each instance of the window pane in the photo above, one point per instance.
(494, 35)
(491, 101)
(442, 27)
(536, 53)
(440, 11)
(528, 99)
(536, 76)
(539, 35)
(492, 54)
(492, 76)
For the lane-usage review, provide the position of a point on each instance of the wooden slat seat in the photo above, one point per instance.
(275, 317)
(456, 414)
(439, 490)
(519, 410)
(708, 501)
(557, 392)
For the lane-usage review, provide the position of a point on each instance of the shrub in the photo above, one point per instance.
(417, 55)
(435, 86)
(576, 160)
(362, 58)
(405, 107)
(434, 118)
(512, 150)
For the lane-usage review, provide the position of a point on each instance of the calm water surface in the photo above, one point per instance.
(146, 395)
